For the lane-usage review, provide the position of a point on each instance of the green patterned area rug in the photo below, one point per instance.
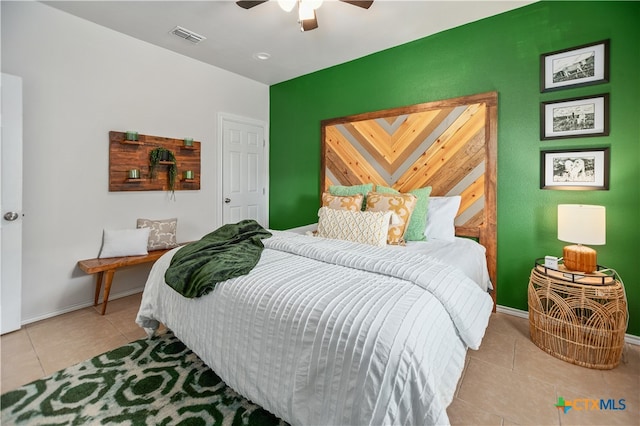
(147, 382)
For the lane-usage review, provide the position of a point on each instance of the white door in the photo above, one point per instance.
(244, 170)
(11, 204)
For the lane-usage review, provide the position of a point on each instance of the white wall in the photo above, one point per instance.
(80, 81)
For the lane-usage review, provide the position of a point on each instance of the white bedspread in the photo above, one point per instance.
(332, 332)
(462, 253)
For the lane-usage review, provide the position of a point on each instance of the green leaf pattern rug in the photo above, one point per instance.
(152, 382)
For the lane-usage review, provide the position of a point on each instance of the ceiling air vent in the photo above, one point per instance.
(187, 35)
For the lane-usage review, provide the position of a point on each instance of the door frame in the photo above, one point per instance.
(12, 143)
(219, 195)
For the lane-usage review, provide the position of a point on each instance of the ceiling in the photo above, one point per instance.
(235, 35)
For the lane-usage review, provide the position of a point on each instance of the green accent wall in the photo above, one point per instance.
(500, 53)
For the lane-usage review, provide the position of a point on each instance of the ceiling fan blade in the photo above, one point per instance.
(309, 24)
(359, 3)
(249, 4)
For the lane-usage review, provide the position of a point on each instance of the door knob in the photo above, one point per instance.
(11, 216)
(227, 200)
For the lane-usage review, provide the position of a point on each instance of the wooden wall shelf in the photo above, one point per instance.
(125, 155)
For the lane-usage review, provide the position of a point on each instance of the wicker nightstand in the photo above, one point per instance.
(579, 318)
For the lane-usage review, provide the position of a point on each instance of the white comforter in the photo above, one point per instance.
(332, 332)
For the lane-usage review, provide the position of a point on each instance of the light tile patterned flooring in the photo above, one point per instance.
(509, 381)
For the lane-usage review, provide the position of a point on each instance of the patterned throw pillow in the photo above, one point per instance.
(400, 204)
(162, 233)
(418, 222)
(351, 202)
(341, 190)
(360, 227)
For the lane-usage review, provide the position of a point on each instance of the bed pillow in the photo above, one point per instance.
(124, 242)
(363, 189)
(162, 234)
(418, 221)
(347, 202)
(440, 218)
(400, 204)
(360, 227)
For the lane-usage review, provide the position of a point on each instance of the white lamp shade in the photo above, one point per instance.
(582, 224)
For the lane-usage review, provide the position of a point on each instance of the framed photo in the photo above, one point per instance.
(573, 118)
(578, 66)
(579, 169)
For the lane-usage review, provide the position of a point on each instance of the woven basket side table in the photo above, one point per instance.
(580, 319)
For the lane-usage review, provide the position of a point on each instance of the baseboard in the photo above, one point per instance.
(629, 338)
(78, 306)
(512, 311)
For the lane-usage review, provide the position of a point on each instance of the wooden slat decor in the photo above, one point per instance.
(126, 155)
(450, 145)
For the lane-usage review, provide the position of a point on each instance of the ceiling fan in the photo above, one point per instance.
(306, 9)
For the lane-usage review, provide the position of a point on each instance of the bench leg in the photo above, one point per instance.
(98, 288)
(107, 289)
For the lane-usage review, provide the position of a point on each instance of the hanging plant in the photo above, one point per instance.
(164, 156)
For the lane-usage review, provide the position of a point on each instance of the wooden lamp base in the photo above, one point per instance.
(580, 258)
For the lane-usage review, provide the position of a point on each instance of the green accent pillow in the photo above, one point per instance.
(343, 191)
(418, 221)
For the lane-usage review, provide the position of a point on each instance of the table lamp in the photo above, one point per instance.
(581, 224)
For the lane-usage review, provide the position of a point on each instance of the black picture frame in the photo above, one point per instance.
(585, 116)
(575, 169)
(575, 67)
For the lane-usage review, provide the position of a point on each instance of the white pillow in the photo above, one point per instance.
(360, 227)
(124, 242)
(441, 214)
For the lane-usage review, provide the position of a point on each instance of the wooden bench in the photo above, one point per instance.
(105, 268)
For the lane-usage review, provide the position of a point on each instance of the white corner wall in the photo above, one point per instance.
(80, 81)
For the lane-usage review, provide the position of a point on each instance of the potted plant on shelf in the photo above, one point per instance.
(161, 155)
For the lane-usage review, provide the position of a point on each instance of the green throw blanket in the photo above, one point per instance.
(229, 251)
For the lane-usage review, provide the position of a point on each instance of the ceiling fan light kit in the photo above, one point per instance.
(306, 9)
(287, 5)
(308, 23)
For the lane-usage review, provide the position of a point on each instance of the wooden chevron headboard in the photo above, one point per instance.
(450, 145)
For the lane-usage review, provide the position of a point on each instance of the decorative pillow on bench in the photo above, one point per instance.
(162, 233)
(124, 242)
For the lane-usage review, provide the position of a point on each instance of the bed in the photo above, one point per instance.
(331, 331)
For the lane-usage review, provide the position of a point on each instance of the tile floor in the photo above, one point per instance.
(509, 381)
